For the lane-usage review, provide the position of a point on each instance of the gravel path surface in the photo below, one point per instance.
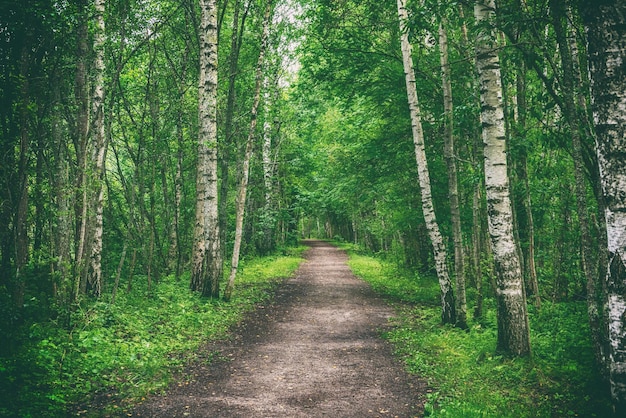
(315, 351)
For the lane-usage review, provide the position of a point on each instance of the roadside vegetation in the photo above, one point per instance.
(108, 356)
(467, 377)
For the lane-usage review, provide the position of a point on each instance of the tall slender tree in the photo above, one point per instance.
(453, 183)
(245, 170)
(513, 329)
(90, 150)
(81, 91)
(605, 21)
(98, 152)
(522, 172)
(227, 140)
(448, 309)
(207, 265)
(571, 113)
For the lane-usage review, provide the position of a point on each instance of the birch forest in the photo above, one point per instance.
(162, 161)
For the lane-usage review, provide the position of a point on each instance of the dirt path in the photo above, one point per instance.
(315, 352)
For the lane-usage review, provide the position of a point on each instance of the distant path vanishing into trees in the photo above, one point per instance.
(315, 351)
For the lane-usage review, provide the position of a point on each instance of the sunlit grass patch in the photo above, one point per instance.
(467, 376)
(385, 278)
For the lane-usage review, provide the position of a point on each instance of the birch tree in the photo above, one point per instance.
(448, 313)
(243, 186)
(98, 151)
(90, 151)
(606, 30)
(453, 188)
(206, 259)
(238, 27)
(513, 329)
(573, 111)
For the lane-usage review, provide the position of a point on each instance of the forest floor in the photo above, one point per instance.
(314, 351)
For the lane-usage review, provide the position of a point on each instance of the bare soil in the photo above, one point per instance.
(315, 351)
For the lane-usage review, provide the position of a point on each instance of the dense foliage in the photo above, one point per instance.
(113, 355)
(99, 157)
(365, 181)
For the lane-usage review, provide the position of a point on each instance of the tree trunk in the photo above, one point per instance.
(606, 30)
(453, 188)
(61, 180)
(176, 250)
(98, 151)
(522, 172)
(571, 114)
(267, 145)
(448, 313)
(595, 305)
(477, 248)
(269, 220)
(480, 246)
(207, 256)
(90, 150)
(80, 146)
(513, 329)
(228, 139)
(243, 186)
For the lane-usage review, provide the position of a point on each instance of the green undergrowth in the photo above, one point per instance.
(112, 355)
(466, 376)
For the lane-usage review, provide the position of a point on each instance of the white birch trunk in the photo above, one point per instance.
(267, 145)
(513, 330)
(243, 186)
(606, 30)
(98, 143)
(439, 249)
(207, 262)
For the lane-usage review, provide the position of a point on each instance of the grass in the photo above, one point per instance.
(115, 354)
(467, 377)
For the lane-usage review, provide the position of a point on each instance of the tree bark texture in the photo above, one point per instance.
(448, 313)
(605, 21)
(207, 260)
(268, 243)
(245, 170)
(98, 139)
(513, 329)
(453, 188)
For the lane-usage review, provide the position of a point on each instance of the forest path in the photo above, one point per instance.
(315, 351)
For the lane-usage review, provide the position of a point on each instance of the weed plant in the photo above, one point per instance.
(115, 354)
(467, 377)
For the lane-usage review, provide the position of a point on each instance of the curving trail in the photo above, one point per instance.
(315, 352)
